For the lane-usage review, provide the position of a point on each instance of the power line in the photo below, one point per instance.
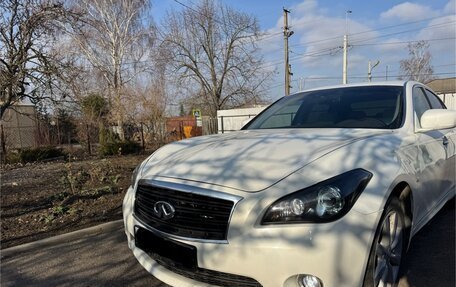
(272, 87)
(403, 42)
(394, 26)
(313, 54)
(318, 53)
(267, 35)
(354, 77)
(386, 35)
(364, 32)
(382, 72)
(406, 31)
(380, 36)
(377, 77)
(334, 50)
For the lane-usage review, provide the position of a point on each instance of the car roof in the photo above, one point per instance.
(364, 84)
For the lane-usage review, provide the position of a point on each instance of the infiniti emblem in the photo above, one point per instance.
(164, 210)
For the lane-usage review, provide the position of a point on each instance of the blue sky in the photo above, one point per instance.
(378, 30)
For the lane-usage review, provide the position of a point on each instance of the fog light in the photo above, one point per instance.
(309, 281)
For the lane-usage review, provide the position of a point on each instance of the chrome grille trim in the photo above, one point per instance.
(189, 190)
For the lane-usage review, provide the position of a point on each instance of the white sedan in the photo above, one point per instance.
(324, 188)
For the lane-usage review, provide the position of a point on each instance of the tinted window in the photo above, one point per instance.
(283, 117)
(350, 107)
(420, 103)
(436, 103)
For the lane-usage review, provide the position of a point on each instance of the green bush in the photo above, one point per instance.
(119, 148)
(107, 136)
(13, 157)
(39, 154)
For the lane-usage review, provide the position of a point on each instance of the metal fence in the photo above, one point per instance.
(173, 129)
(232, 123)
(449, 99)
(234, 119)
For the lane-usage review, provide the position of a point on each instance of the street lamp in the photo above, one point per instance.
(346, 21)
(370, 68)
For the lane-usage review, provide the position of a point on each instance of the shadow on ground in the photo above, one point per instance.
(99, 260)
(105, 260)
(431, 257)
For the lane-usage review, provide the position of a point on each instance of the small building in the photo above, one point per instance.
(19, 126)
(446, 90)
(235, 119)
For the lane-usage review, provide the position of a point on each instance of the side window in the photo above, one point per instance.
(282, 118)
(420, 103)
(435, 101)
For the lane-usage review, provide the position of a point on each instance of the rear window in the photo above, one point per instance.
(377, 107)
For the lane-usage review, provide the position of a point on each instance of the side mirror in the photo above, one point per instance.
(438, 119)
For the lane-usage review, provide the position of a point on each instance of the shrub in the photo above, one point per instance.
(106, 135)
(119, 148)
(129, 147)
(40, 154)
(13, 157)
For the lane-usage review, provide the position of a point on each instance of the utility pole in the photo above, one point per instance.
(386, 73)
(345, 59)
(369, 70)
(286, 34)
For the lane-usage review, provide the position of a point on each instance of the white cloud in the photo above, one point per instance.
(391, 46)
(317, 35)
(321, 36)
(441, 28)
(307, 7)
(450, 7)
(271, 41)
(408, 12)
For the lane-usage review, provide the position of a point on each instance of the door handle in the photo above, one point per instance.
(445, 141)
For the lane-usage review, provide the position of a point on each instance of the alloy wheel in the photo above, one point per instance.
(388, 250)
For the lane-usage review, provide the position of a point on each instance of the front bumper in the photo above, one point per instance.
(273, 255)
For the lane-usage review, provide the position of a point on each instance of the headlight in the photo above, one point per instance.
(326, 201)
(134, 176)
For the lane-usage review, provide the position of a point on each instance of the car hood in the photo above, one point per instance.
(249, 160)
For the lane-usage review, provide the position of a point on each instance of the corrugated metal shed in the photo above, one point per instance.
(20, 126)
(443, 86)
(446, 90)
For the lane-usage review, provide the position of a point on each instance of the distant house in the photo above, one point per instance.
(446, 90)
(19, 126)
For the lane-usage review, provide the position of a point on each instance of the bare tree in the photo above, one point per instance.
(115, 37)
(418, 66)
(214, 46)
(29, 66)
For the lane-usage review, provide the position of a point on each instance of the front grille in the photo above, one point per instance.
(196, 216)
(210, 276)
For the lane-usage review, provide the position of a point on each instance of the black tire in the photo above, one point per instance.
(388, 248)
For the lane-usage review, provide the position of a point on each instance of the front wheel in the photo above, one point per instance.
(388, 248)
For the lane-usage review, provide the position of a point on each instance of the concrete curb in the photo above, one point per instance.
(59, 239)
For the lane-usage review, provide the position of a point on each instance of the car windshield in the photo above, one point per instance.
(371, 107)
